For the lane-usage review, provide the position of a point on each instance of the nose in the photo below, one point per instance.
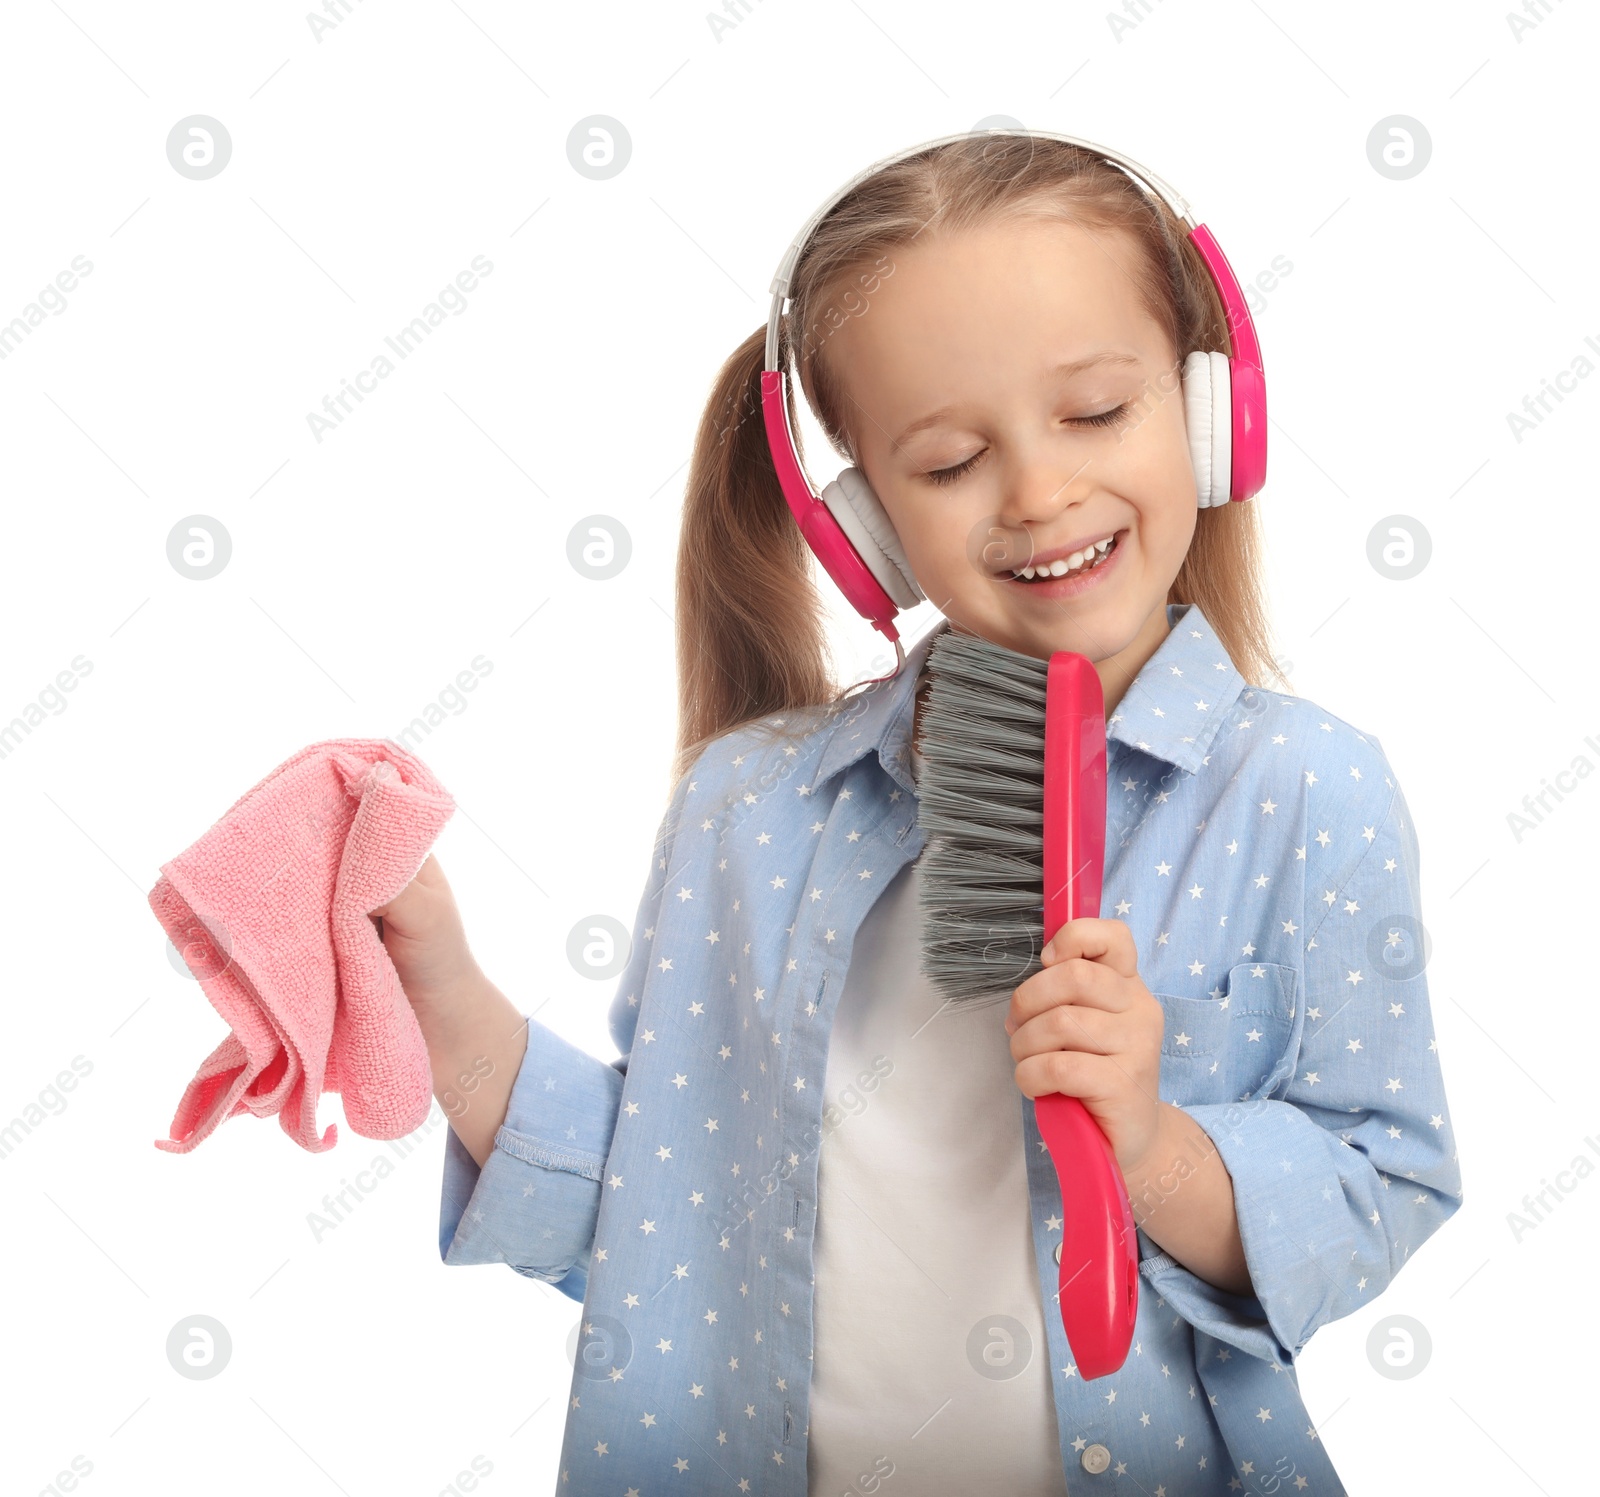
(1037, 494)
(1040, 488)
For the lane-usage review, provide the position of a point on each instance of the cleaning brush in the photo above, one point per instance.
(1012, 797)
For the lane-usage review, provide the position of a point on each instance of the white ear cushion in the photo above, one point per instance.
(1208, 413)
(862, 517)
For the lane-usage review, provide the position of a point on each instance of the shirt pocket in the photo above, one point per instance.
(1235, 1046)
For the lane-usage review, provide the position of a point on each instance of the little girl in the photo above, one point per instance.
(807, 1210)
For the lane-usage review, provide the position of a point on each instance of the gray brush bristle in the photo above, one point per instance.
(981, 803)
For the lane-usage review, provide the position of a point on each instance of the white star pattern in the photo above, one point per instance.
(1253, 844)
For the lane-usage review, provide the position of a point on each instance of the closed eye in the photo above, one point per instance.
(1113, 417)
(950, 475)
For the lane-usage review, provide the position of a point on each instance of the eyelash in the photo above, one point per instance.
(950, 475)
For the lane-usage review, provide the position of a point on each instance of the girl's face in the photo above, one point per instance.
(1012, 402)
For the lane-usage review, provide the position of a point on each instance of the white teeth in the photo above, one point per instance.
(1062, 565)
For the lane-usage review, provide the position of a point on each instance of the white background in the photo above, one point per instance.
(368, 169)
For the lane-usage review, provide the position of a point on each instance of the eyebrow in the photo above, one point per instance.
(1073, 366)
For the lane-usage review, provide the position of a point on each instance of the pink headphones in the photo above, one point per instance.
(1225, 406)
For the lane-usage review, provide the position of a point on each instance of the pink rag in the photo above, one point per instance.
(269, 910)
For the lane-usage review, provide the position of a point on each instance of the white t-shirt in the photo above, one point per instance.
(924, 1249)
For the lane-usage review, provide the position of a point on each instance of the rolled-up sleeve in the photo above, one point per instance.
(1350, 1165)
(535, 1202)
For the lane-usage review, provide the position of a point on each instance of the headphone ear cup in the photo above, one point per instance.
(1208, 414)
(868, 528)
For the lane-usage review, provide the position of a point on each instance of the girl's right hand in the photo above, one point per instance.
(424, 936)
(476, 1039)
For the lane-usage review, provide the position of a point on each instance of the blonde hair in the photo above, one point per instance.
(750, 621)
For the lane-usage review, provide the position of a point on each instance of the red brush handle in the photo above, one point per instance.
(1099, 1280)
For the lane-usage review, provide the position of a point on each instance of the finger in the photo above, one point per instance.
(1075, 980)
(1089, 936)
(1073, 1073)
(1071, 1026)
(1108, 941)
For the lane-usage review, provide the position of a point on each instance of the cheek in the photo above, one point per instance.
(943, 533)
(1158, 448)
(1157, 475)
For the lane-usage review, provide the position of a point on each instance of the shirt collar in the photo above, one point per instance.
(1171, 710)
(879, 717)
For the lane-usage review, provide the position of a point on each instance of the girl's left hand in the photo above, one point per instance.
(1087, 1026)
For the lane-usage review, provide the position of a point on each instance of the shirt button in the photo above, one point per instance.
(1095, 1459)
(1058, 1252)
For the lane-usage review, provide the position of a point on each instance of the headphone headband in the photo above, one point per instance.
(785, 274)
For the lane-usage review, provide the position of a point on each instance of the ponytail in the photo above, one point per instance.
(750, 621)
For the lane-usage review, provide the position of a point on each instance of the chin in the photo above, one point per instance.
(1096, 633)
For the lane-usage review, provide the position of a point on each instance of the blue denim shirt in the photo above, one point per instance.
(1262, 853)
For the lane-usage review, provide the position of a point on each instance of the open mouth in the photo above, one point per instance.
(1090, 559)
